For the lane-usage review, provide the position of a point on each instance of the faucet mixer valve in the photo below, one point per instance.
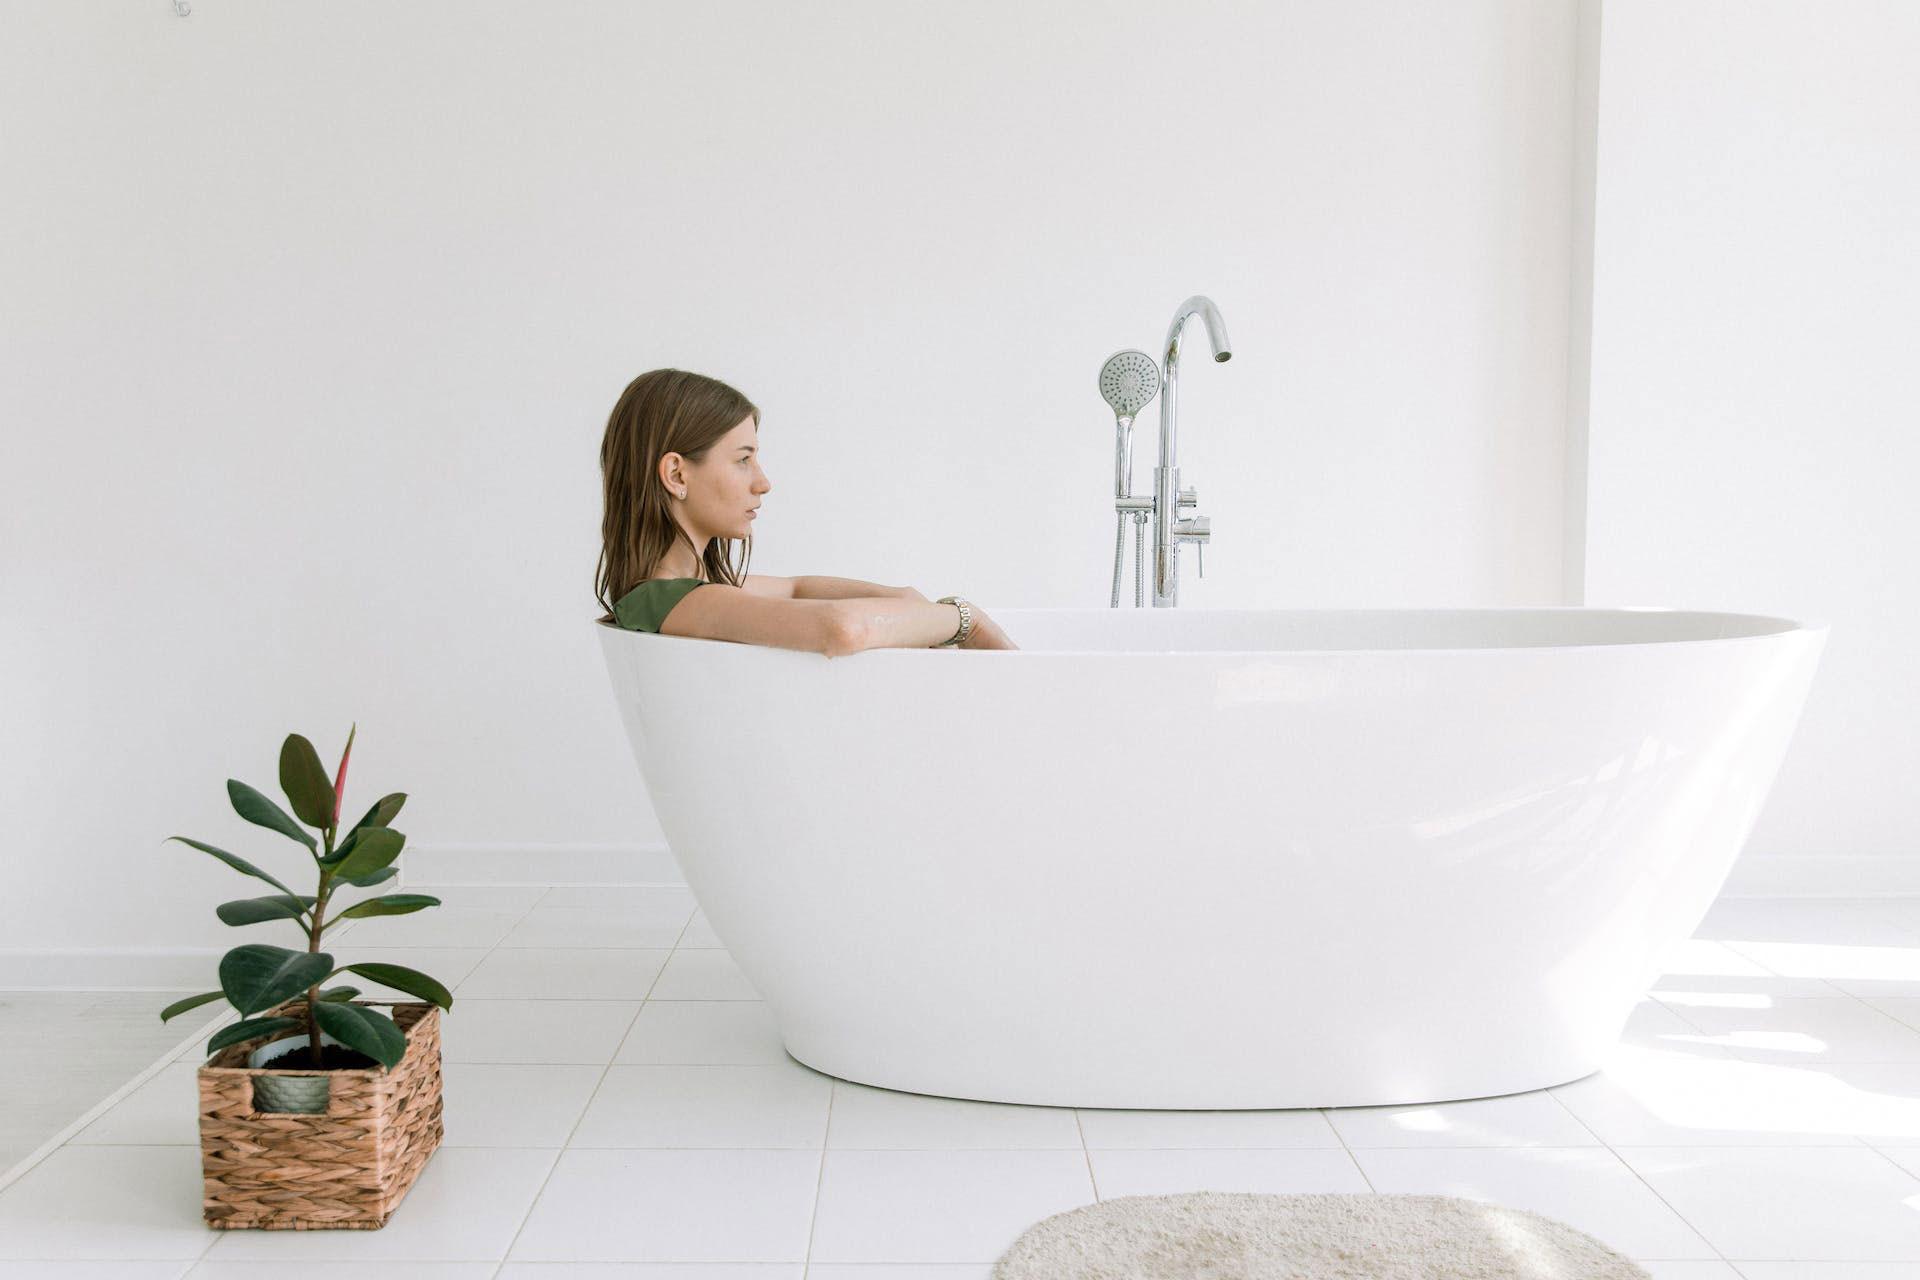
(1197, 530)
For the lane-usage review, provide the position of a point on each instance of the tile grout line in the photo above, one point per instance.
(1430, 1147)
(488, 951)
(1345, 1146)
(820, 1180)
(1086, 1153)
(1755, 960)
(1888, 1157)
(1839, 991)
(64, 1137)
(1677, 1011)
(1628, 1166)
(566, 1144)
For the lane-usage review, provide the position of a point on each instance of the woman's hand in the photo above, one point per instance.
(987, 634)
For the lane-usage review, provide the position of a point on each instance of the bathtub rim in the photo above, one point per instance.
(1786, 626)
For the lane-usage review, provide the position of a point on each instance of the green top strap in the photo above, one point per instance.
(646, 606)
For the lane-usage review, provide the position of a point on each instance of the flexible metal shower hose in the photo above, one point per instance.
(1139, 558)
(1139, 562)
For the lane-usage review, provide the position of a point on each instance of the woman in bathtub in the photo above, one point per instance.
(681, 475)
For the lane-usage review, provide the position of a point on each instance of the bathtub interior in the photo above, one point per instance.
(1186, 629)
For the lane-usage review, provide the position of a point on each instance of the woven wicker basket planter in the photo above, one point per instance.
(346, 1167)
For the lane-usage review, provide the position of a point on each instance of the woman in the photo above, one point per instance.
(681, 474)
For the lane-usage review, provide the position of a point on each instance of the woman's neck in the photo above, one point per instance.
(679, 561)
(676, 568)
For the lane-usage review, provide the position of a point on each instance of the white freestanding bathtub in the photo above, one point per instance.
(1217, 859)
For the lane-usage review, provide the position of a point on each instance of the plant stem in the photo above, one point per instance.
(313, 945)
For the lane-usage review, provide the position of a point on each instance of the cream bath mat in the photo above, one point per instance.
(1217, 1235)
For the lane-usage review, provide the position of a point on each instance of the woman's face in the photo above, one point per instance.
(723, 491)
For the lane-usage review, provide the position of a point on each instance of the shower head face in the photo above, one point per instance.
(1129, 381)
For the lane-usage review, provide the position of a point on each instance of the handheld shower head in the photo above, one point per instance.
(1129, 380)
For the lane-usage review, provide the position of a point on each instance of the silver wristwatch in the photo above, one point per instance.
(966, 621)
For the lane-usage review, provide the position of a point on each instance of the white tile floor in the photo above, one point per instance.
(618, 1107)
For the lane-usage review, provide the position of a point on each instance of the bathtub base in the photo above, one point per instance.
(1209, 1087)
(1268, 1099)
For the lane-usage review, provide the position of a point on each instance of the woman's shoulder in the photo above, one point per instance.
(657, 582)
(646, 605)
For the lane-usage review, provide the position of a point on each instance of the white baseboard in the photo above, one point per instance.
(165, 968)
(520, 864)
(111, 969)
(1773, 875)
(1824, 875)
(1758, 875)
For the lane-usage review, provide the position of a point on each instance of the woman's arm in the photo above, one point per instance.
(879, 624)
(819, 588)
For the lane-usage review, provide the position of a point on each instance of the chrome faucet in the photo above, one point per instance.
(1169, 530)
(1128, 381)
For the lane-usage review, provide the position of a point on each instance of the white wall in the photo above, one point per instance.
(314, 315)
(1755, 416)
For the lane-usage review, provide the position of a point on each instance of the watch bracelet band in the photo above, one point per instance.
(966, 621)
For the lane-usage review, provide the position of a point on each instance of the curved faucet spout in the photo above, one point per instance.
(1199, 305)
(1166, 507)
(1209, 314)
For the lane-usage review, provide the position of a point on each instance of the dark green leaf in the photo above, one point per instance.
(258, 976)
(256, 808)
(376, 848)
(357, 1027)
(306, 783)
(248, 1030)
(340, 851)
(283, 906)
(191, 1002)
(365, 882)
(339, 993)
(232, 860)
(392, 904)
(411, 981)
(383, 812)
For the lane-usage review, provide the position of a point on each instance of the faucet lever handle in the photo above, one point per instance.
(1199, 531)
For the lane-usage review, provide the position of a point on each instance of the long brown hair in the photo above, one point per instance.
(661, 412)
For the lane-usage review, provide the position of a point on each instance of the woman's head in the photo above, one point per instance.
(679, 467)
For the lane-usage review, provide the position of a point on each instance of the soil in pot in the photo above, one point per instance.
(333, 1057)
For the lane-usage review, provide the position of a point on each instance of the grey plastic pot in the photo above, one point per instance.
(289, 1093)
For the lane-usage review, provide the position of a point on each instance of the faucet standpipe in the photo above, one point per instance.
(1169, 529)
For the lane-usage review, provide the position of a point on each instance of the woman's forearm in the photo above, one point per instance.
(819, 588)
(897, 622)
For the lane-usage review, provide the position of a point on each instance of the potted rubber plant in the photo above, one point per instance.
(316, 1109)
